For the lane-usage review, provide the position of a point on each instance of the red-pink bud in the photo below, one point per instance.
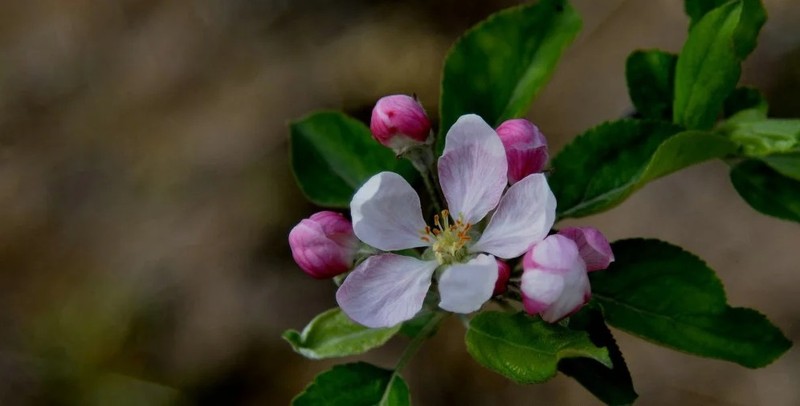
(592, 245)
(324, 244)
(526, 148)
(503, 273)
(399, 122)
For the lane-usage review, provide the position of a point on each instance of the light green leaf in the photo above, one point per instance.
(766, 190)
(786, 164)
(333, 334)
(710, 62)
(333, 154)
(497, 68)
(763, 137)
(356, 384)
(613, 386)
(664, 294)
(651, 80)
(602, 167)
(526, 349)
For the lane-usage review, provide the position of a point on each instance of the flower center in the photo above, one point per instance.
(448, 240)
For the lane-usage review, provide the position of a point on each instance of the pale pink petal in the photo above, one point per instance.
(554, 281)
(540, 289)
(592, 246)
(385, 290)
(525, 215)
(464, 288)
(472, 170)
(387, 214)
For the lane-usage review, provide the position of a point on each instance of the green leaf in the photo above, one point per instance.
(746, 99)
(356, 384)
(333, 334)
(526, 349)
(602, 167)
(696, 9)
(497, 68)
(651, 79)
(786, 164)
(710, 62)
(333, 154)
(766, 190)
(763, 137)
(613, 386)
(664, 294)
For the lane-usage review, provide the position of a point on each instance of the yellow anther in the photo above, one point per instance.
(447, 240)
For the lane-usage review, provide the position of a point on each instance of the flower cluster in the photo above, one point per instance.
(499, 208)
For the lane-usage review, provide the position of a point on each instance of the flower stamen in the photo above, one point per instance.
(448, 240)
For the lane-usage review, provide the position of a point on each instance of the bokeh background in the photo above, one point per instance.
(146, 195)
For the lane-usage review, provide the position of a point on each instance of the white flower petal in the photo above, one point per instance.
(387, 214)
(525, 215)
(385, 290)
(464, 288)
(472, 170)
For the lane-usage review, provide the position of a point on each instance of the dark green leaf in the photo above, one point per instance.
(526, 349)
(710, 62)
(764, 136)
(602, 167)
(612, 386)
(496, 69)
(766, 190)
(332, 155)
(696, 9)
(664, 294)
(333, 334)
(651, 80)
(786, 164)
(357, 384)
(746, 99)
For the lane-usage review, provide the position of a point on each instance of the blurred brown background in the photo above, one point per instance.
(145, 195)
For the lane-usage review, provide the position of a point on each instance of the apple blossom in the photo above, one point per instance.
(525, 146)
(592, 246)
(387, 289)
(554, 282)
(400, 122)
(324, 244)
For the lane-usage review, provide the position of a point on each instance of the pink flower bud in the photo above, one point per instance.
(554, 282)
(324, 244)
(592, 246)
(526, 148)
(399, 122)
(503, 273)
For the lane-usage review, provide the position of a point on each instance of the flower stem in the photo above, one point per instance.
(411, 350)
(505, 305)
(423, 335)
(422, 159)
